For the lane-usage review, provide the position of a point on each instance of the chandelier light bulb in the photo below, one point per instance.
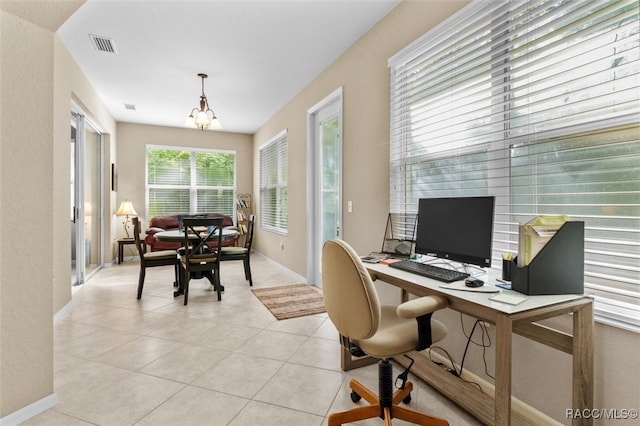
(202, 119)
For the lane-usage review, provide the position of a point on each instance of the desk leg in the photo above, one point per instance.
(583, 362)
(404, 296)
(504, 329)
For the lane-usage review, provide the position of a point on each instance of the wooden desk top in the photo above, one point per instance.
(419, 285)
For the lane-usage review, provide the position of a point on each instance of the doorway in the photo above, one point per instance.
(86, 198)
(324, 177)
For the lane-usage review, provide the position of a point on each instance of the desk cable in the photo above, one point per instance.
(451, 370)
(484, 344)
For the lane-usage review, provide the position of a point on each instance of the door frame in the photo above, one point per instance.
(77, 231)
(83, 121)
(312, 211)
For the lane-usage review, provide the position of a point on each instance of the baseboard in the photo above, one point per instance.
(63, 312)
(295, 274)
(30, 411)
(522, 413)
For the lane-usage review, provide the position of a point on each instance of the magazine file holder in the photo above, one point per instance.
(558, 268)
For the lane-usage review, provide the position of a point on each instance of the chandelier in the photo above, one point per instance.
(203, 117)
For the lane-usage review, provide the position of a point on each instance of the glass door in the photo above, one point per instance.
(92, 199)
(76, 273)
(86, 199)
(327, 180)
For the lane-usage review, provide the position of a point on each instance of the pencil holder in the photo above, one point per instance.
(506, 269)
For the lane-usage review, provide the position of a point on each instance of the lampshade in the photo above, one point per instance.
(126, 209)
(215, 123)
(203, 117)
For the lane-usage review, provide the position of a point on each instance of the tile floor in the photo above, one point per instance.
(120, 361)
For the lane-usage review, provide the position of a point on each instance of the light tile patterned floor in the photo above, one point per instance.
(120, 361)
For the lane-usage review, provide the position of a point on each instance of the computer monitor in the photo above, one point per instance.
(459, 229)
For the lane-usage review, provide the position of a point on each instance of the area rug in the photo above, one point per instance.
(291, 301)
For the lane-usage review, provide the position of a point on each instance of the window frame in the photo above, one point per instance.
(193, 185)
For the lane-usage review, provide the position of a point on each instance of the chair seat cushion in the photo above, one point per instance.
(396, 336)
(233, 250)
(162, 254)
(200, 258)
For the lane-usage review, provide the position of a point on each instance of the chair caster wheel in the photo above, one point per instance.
(355, 397)
(407, 399)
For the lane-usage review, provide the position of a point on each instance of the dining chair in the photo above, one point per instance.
(380, 331)
(199, 257)
(242, 252)
(152, 259)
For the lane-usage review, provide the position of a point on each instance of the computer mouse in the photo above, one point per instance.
(471, 282)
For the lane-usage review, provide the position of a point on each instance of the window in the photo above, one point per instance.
(534, 102)
(273, 184)
(190, 181)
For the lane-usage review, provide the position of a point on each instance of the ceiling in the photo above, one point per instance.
(258, 53)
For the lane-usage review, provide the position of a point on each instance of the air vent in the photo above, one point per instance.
(103, 44)
(130, 107)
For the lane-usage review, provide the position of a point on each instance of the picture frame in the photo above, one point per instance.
(114, 177)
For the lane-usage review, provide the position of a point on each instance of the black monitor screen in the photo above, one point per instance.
(459, 229)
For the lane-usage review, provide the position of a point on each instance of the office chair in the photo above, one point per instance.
(378, 331)
(242, 253)
(201, 252)
(152, 259)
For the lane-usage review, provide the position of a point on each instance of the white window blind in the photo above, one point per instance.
(273, 184)
(190, 181)
(536, 103)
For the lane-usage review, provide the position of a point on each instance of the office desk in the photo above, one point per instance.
(508, 319)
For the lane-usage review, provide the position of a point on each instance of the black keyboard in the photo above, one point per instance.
(430, 271)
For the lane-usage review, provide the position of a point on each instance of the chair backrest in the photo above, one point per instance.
(171, 221)
(248, 239)
(201, 232)
(349, 294)
(136, 236)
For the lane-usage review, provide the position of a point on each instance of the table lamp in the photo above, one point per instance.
(126, 209)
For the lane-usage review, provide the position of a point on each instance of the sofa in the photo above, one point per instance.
(170, 223)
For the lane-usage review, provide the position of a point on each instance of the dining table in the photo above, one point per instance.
(177, 236)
